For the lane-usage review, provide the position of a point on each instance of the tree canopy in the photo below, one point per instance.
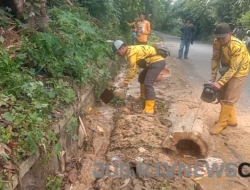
(168, 15)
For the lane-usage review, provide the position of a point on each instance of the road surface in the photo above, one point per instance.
(198, 67)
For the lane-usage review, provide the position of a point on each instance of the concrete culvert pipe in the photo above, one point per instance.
(193, 142)
(189, 147)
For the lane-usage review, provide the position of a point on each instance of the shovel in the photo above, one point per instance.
(107, 95)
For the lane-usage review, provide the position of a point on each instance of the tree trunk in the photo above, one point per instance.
(19, 8)
(36, 11)
(193, 142)
(147, 8)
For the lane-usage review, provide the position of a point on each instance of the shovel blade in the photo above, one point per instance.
(107, 96)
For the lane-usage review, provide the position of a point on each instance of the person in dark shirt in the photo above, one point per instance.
(186, 37)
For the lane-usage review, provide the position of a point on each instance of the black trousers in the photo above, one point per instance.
(148, 77)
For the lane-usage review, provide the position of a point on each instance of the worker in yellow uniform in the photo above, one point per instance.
(143, 29)
(134, 24)
(231, 59)
(141, 56)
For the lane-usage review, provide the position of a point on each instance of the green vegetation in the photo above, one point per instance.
(53, 183)
(205, 15)
(169, 15)
(165, 185)
(2, 185)
(37, 78)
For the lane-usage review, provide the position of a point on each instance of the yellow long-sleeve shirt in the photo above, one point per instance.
(234, 55)
(132, 24)
(139, 52)
(146, 30)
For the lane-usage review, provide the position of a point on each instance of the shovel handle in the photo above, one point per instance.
(114, 88)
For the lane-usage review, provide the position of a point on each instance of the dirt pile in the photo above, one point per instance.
(137, 138)
(133, 132)
(11, 39)
(132, 138)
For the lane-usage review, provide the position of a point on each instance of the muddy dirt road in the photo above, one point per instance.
(131, 137)
(232, 144)
(197, 67)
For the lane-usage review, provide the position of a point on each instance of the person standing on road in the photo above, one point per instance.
(239, 32)
(186, 37)
(143, 29)
(134, 24)
(144, 56)
(232, 56)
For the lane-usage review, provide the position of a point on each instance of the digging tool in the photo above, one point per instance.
(109, 94)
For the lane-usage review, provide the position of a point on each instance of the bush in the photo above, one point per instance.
(72, 49)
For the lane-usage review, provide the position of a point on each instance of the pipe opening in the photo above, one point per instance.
(189, 147)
